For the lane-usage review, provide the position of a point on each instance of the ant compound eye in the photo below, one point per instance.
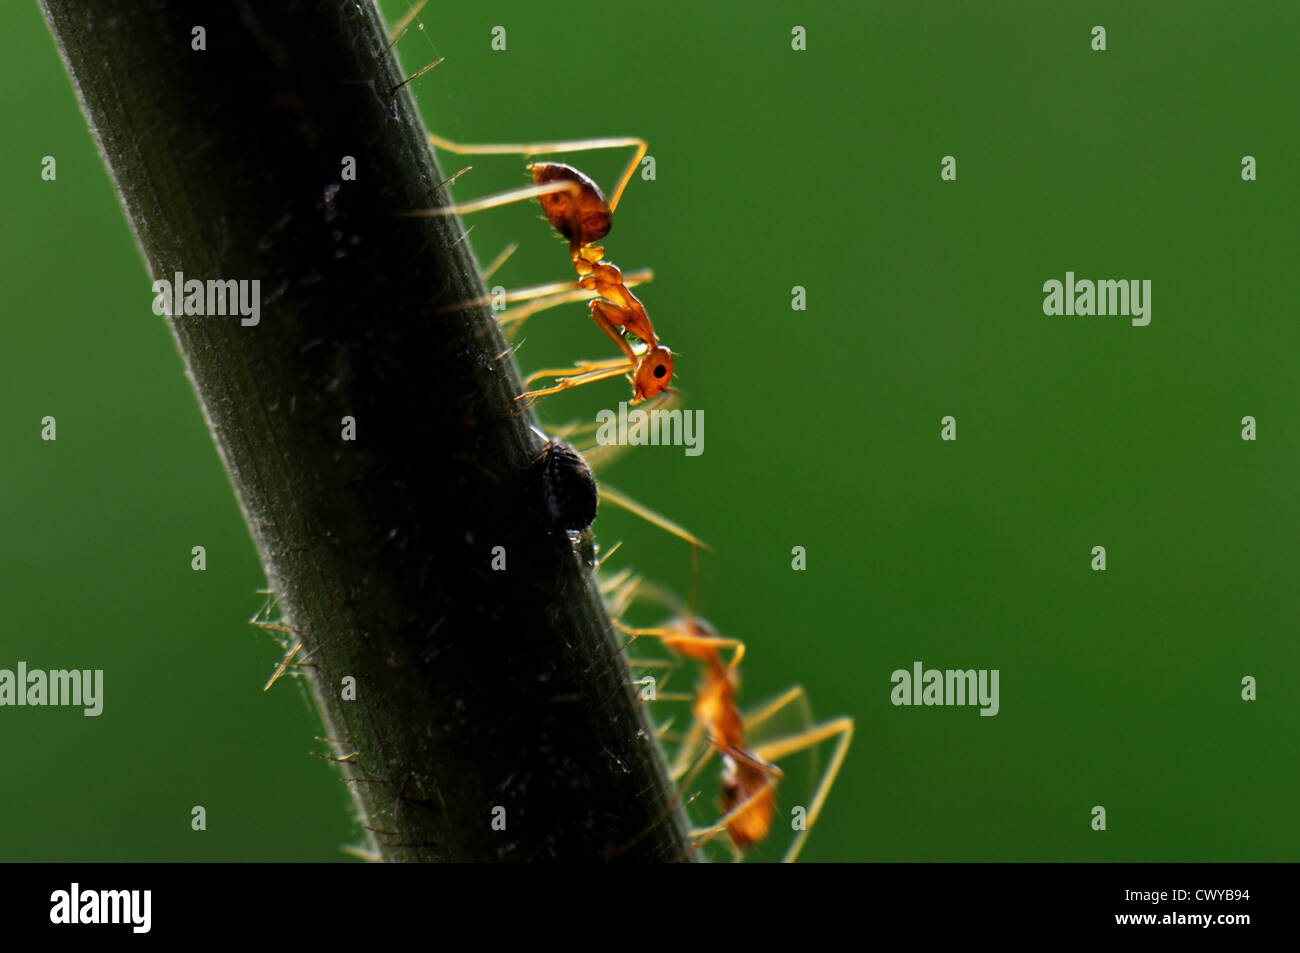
(660, 370)
(568, 487)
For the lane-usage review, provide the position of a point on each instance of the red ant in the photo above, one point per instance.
(579, 211)
(749, 776)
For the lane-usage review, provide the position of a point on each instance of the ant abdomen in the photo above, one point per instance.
(581, 215)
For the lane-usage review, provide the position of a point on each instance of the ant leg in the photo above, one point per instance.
(683, 772)
(607, 492)
(491, 201)
(513, 320)
(618, 588)
(553, 288)
(664, 731)
(543, 297)
(782, 701)
(668, 696)
(693, 755)
(841, 728)
(584, 367)
(660, 682)
(542, 148)
(611, 317)
(605, 324)
(587, 377)
(674, 638)
(500, 260)
(640, 588)
(651, 663)
(564, 293)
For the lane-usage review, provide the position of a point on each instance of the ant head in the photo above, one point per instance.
(654, 373)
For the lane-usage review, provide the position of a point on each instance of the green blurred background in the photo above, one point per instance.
(774, 168)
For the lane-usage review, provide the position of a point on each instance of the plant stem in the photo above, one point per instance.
(476, 689)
